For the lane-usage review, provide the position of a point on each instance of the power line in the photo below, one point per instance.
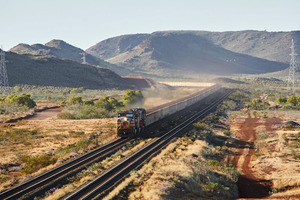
(291, 78)
(3, 72)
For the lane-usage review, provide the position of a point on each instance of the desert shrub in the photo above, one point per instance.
(79, 111)
(258, 154)
(76, 133)
(281, 100)
(212, 187)
(11, 135)
(239, 96)
(75, 100)
(82, 144)
(213, 163)
(90, 112)
(88, 102)
(77, 90)
(200, 126)
(63, 103)
(34, 163)
(293, 100)
(65, 115)
(133, 97)
(297, 156)
(109, 103)
(22, 99)
(227, 133)
(3, 178)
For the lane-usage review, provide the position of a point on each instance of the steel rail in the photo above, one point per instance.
(61, 170)
(107, 179)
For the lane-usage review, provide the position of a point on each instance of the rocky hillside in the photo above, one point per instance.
(51, 71)
(274, 46)
(169, 54)
(115, 46)
(63, 50)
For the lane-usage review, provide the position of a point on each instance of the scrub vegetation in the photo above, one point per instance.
(107, 106)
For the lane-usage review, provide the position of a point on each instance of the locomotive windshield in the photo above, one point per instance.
(125, 115)
(129, 115)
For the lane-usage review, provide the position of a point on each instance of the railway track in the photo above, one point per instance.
(60, 173)
(62, 170)
(108, 179)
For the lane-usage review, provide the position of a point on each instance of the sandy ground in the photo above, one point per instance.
(275, 168)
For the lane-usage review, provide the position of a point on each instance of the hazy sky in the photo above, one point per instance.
(84, 23)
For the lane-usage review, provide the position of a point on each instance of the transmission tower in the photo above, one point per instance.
(3, 72)
(83, 58)
(291, 78)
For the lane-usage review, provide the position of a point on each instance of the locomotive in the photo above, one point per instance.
(131, 122)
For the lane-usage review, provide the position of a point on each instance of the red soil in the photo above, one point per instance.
(249, 185)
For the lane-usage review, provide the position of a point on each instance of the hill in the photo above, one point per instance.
(61, 49)
(274, 46)
(51, 71)
(115, 46)
(171, 54)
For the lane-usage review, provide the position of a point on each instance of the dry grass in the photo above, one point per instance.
(54, 137)
(175, 173)
(54, 134)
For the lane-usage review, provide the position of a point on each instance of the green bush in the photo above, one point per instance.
(293, 100)
(88, 102)
(34, 163)
(227, 133)
(213, 163)
(133, 97)
(75, 100)
(77, 90)
(281, 100)
(65, 115)
(3, 178)
(212, 187)
(108, 103)
(200, 126)
(22, 99)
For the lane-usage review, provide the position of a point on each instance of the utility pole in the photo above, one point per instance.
(3, 72)
(291, 78)
(83, 58)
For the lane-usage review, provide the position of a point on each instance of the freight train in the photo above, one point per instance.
(131, 122)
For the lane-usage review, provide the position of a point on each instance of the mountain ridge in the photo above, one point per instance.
(188, 53)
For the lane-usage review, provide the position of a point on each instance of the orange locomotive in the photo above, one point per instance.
(131, 122)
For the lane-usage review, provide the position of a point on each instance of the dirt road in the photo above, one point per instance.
(249, 185)
(42, 115)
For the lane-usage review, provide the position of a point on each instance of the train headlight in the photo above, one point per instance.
(125, 119)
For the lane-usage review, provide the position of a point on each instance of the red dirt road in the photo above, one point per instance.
(249, 186)
(42, 115)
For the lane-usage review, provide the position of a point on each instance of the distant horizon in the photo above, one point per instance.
(43, 43)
